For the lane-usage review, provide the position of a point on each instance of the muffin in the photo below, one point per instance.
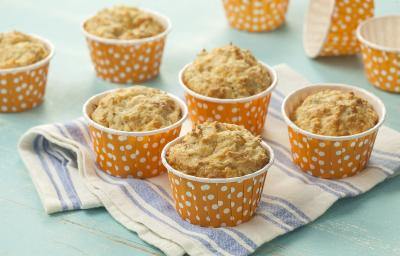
(332, 128)
(24, 64)
(218, 150)
(130, 127)
(227, 73)
(217, 174)
(18, 50)
(228, 85)
(335, 113)
(123, 22)
(126, 44)
(137, 109)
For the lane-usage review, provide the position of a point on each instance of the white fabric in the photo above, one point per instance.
(61, 164)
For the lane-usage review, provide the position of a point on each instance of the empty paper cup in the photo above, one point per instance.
(255, 16)
(23, 88)
(216, 202)
(128, 61)
(330, 26)
(130, 154)
(380, 47)
(330, 157)
(249, 112)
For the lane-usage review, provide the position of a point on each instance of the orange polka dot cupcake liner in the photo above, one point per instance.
(330, 157)
(128, 61)
(380, 49)
(250, 112)
(330, 26)
(23, 88)
(130, 154)
(216, 202)
(255, 16)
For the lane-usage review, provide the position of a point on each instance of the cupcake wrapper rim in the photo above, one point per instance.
(371, 44)
(330, 25)
(314, 50)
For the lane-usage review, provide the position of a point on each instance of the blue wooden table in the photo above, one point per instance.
(366, 225)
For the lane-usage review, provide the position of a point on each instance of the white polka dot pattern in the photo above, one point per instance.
(130, 156)
(382, 68)
(216, 204)
(330, 159)
(127, 63)
(23, 90)
(346, 17)
(255, 16)
(251, 114)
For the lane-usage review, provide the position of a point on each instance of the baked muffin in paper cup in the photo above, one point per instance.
(380, 47)
(330, 26)
(249, 112)
(23, 88)
(130, 154)
(255, 16)
(216, 202)
(330, 157)
(128, 61)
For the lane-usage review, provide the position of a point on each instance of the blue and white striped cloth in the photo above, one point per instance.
(61, 164)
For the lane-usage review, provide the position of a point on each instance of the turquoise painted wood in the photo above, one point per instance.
(366, 225)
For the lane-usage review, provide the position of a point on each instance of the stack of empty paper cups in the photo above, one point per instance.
(330, 26)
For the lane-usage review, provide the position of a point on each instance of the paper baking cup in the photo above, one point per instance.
(380, 47)
(23, 88)
(130, 154)
(330, 157)
(128, 61)
(330, 26)
(250, 112)
(255, 16)
(216, 202)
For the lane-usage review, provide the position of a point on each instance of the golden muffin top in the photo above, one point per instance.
(218, 150)
(136, 109)
(123, 22)
(18, 49)
(227, 73)
(335, 113)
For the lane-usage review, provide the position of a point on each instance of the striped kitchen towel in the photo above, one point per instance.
(61, 164)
